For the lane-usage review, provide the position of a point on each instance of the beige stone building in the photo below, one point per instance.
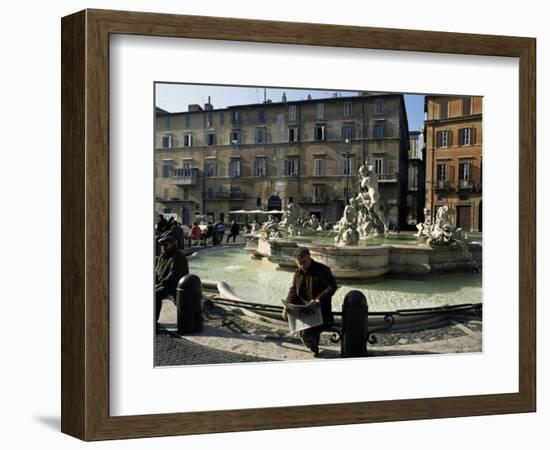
(454, 136)
(263, 156)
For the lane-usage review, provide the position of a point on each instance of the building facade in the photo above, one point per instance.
(416, 190)
(264, 156)
(454, 136)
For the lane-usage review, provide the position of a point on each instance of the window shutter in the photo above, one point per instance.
(472, 136)
(449, 138)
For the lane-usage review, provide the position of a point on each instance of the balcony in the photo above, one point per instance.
(225, 195)
(184, 177)
(387, 178)
(465, 185)
(317, 200)
(443, 185)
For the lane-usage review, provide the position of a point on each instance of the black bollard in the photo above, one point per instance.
(354, 325)
(189, 304)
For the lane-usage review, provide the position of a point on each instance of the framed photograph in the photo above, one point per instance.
(274, 225)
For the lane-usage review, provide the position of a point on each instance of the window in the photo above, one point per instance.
(261, 116)
(208, 119)
(465, 136)
(235, 137)
(441, 172)
(379, 130)
(261, 135)
(466, 106)
(259, 202)
(347, 132)
(347, 109)
(318, 193)
(379, 166)
(235, 117)
(443, 138)
(210, 168)
(235, 168)
(211, 139)
(292, 112)
(187, 140)
(187, 121)
(185, 194)
(293, 134)
(290, 200)
(319, 133)
(320, 111)
(443, 109)
(291, 167)
(167, 123)
(166, 141)
(464, 171)
(319, 167)
(222, 119)
(260, 167)
(346, 166)
(167, 165)
(167, 210)
(379, 106)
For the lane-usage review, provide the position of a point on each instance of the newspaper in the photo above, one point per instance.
(302, 317)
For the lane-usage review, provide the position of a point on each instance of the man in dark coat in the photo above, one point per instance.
(233, 231)
(313, 281)
(171, 267)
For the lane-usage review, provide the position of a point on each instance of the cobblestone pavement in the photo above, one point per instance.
(229, 336)
(172, 350)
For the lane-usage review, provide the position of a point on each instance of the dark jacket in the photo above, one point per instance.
(235, 229)
(171, 266)
(316, 282)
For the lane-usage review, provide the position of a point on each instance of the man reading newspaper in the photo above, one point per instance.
(308, 305)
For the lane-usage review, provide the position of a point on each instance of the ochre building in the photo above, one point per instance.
(264, 156)
(454, 136)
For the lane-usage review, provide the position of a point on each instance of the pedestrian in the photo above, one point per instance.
(171, 267)
(177, 232)
(195, 234)
(233, 231)
(219, 231)
(313, 281)
(208, 233)
(161, 224)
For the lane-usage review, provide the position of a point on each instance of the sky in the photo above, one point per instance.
(177, 97)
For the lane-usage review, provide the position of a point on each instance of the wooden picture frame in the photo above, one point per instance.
(85, 224)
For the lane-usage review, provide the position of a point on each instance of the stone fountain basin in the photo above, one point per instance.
(372, 261)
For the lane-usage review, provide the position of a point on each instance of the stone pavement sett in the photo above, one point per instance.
(229, 336)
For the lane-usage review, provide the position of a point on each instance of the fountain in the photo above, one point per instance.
(440, 247)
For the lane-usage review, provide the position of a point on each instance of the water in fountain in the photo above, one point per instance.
(260, 281)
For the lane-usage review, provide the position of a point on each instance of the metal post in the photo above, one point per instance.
(354, 325)
(189, 304)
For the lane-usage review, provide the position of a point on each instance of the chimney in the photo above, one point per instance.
(284, 97)
(194, 108)
(208, 106)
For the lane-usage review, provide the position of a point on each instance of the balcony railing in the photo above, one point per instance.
(319, 199)
(387, 177)
(443, 185)
(465, 184)
(225, 195)
(184, 177)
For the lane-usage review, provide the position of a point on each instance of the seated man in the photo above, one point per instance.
(313, 281)
(171, 267)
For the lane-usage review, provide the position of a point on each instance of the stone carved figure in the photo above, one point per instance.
(289, 221)
(442, 231)
(270, 229)
(346, 227)
(369, 182)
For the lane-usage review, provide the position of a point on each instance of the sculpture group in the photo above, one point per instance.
(364, 216)
(441, 231)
